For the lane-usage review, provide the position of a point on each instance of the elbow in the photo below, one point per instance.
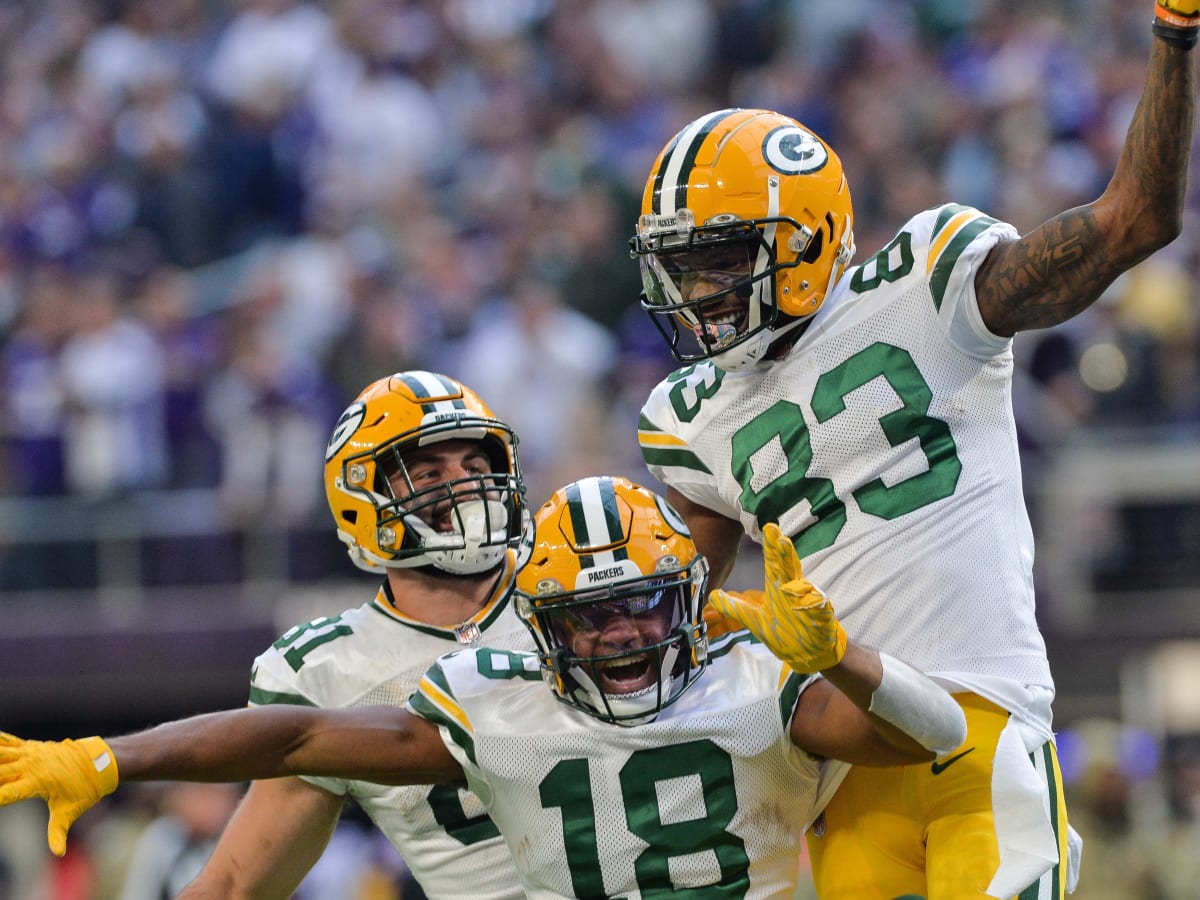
(1165, 228)
(1136, 231)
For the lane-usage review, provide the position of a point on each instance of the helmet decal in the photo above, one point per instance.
(672, 518)
(671, 179)
(345, 428)
(791, 150)
(594, 515)
(443, 393)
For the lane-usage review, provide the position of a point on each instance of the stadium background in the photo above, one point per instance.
(218, 220)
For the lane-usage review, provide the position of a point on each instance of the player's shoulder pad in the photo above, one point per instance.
(311, 660)
(929, 246)
(476, 671)
(662, 434)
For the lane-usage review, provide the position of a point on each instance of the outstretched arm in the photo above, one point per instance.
(381, 744)
(870, 709)
(1061, 267)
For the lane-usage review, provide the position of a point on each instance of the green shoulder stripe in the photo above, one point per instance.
(942, 269)
(260, 697)
(788, 695)
(726, 642)
(644, 423)
(429, 708)
(945, 214)
(682, 459)
(662, 453)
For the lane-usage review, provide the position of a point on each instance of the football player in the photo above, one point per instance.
(867, 412)
(426, 491)
(626, 756)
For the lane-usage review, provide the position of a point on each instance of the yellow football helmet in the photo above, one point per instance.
(384, 519)
(746, 224)
(612, 594)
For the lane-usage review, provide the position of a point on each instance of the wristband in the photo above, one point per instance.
(1170, 17)
(921, 709)
(1181, 36)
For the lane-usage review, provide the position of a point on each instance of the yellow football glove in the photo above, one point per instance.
(71, 776)
(792, 617)
(1180, 13)
(720, 624)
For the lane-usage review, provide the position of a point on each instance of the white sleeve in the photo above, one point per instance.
(917, 706)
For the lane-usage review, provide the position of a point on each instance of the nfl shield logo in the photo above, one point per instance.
(467, 633)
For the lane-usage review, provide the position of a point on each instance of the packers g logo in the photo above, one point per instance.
(345, 428)
(672, 518)
(791, 150)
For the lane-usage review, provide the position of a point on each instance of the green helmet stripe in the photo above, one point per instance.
(431, 384)
(671, 179)
(596, 519)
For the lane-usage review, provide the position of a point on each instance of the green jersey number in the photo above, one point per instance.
(692, 388)
(784, 423)
(448, 810)
(296, 643)
(568, 788)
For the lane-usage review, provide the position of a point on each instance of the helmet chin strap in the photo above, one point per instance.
(470, 548)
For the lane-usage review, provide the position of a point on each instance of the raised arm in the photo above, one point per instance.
(717, 537)
(870, 708)
(381, 744)
(1061, 267)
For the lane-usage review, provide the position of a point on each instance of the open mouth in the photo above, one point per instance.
(723, 327)
(626, 676)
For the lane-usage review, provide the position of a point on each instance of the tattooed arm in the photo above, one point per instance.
(1061, 267)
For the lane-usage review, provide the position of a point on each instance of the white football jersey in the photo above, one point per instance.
(713, 793)
(375, 656)
(884, 443)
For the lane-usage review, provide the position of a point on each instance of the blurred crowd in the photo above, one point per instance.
(219, 219)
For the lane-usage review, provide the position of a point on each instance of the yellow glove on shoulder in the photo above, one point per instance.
(71, 776)
(791, 616)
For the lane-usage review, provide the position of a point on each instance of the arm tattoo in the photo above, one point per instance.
(1046, 277)
(1061, 267)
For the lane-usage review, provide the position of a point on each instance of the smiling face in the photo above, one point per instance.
(607, 631)
(714, 284)
(431, 478)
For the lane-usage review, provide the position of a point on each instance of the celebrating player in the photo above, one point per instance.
(426, 491)
(867, 412)
(627, 756)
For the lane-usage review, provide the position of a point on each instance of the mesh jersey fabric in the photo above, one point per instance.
(885, 444)
(370, 656)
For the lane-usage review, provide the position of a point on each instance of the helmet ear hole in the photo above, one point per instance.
(817, 244)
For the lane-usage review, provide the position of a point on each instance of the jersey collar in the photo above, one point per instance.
(468, 632)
